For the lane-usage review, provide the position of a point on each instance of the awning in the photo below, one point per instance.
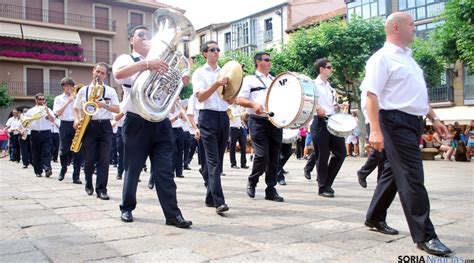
(10, 30)
(50, 34)
(461, 114)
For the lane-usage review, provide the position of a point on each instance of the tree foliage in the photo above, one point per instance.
(5, 100)
(426, 54)
(456, 34)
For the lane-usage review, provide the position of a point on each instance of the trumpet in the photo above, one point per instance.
(38, 112)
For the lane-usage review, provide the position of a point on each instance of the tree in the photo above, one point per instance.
(426, 54)
(456, 34)
(5, 100)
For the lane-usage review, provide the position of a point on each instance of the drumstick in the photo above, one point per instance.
(270, 113)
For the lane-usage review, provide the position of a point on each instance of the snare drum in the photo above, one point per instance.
(290, 135)
(341, 124)
(292, 99)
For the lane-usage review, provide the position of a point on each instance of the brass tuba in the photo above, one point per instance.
(37, 113)
(154, 94)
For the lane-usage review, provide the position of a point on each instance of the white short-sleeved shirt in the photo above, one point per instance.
(41, 124)
(110, 96)
(14, 124)
(255, 88)
(179, 122)
(68, 113)
(55, 126)
(235, 122)
(326, 96)
(203, 78)
(397, 80)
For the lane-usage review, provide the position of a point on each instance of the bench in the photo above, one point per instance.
(429, 153)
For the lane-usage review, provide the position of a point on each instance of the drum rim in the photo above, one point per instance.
(293, 121)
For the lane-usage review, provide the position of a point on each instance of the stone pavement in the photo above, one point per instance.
(42, 219)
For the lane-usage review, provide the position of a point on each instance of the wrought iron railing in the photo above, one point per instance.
(441, 94)
(20, 88)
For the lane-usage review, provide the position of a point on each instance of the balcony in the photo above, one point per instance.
(92, 57)
(268, 36)
(25, 89)
(441, 94)
(47, 16)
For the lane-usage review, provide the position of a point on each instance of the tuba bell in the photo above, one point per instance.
(37, 113)
(155, 93)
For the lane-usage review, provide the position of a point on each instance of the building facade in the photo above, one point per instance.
(42, 41)
(454, 98)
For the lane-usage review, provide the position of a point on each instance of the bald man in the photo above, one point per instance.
(396, 101)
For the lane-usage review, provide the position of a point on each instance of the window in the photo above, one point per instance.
(101, 17)
(366, 9)
(136, 19)
(422, 9)
(102, 51)
(468, 86)
(55, 76)
(56, 11)
(268, 34)
(34, 81)
(33, 10)
(424, 29)
(202, 40)
(243, 33)
(227, 41)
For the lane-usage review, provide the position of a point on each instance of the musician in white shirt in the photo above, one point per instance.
(213, 123)
(397, 100)
(97, 139)
(13, 125)
(41, 137)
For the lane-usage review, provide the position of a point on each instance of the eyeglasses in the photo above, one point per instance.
(214, 49)
(144, 35)
(328, 67)
(40, 99)
(266, 59)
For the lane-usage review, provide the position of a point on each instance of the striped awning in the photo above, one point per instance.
(50, 34)
(10, 30)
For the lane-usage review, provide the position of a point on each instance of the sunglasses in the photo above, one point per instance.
(266, 59)
(328, 67)
(40, 99)
(144, 35)
(214, 49)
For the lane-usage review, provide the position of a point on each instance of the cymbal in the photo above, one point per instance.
(233, 71)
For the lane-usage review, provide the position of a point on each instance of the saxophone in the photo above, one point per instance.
(90, 108)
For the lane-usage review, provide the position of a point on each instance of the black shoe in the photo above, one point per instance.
(282, 182)
(115, 165)
(186, 168)
(330, 190)
(126, 216)
(179, 221)
(326, 194)
(180, 176)
(234, 166)
(25, 166)
(250, 190)
(77, 182)
(381, 227)
(209, 205)
(38, 175)
(61, 177)
(89, 190)
(244, 166)
(48, 173)
(151, 185)
(275, 197)
(307, 175)
(434, 247)
(119, 177)
(103, 196)
(362, 180)
(222, 174)
(285, 172)
(222, 208)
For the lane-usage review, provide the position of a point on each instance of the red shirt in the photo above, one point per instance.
(3, 135)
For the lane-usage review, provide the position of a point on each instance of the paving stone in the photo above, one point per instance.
(14, 246)
(31, 256)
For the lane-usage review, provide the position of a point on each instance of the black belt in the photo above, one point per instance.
(101, 120)
(258, 117)
(42, 131)
(67, 121)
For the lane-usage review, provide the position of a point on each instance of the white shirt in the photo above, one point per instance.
(259, 95)
(122, 61)
(191, 110)
(178, 123)
(55, 125)
(235, 122)
(110, 96)
(68, 113)
(203, 78)
(14, 124)
(397, 80)
(326, 96)
(42, 124)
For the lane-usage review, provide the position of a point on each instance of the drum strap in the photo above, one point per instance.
(263, 83)
(135, 59)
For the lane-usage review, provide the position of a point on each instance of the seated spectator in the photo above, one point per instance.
(469, 133)
(461, 153)
(447, 144)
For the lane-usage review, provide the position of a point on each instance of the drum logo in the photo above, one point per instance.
(282, 82)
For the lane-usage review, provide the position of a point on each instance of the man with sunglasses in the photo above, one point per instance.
(41, 137)
(213, 123)
(266, 138)
(144, 138)
(323, 141)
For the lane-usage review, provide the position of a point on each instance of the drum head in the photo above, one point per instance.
(341, 124)
(284, 99)
(290, 135)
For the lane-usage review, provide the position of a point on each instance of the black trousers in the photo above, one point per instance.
(25, 150)
(403, 173)
(214, 128)
(66, 156)
(266, 141)
(114, 150)
(55, 145)
(96, 148)
(144, 139)
(313, 157)
(285, 154)
(202, 162)
(300, 147)
(376, 159)
(178, 151)
(240, 135)
(120, 148)
(186, 147)
(14, 147)
(41, 149)
(193, 144)
(326, 143)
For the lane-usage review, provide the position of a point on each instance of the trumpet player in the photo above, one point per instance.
(41, 138)
(237, 134)
(266, 138)
(63, 108)
(13, 125)
(97, 139)
(143, 138)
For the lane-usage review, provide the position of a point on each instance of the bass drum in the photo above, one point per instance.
(290, 135)
(341, 124)
(292, 99)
